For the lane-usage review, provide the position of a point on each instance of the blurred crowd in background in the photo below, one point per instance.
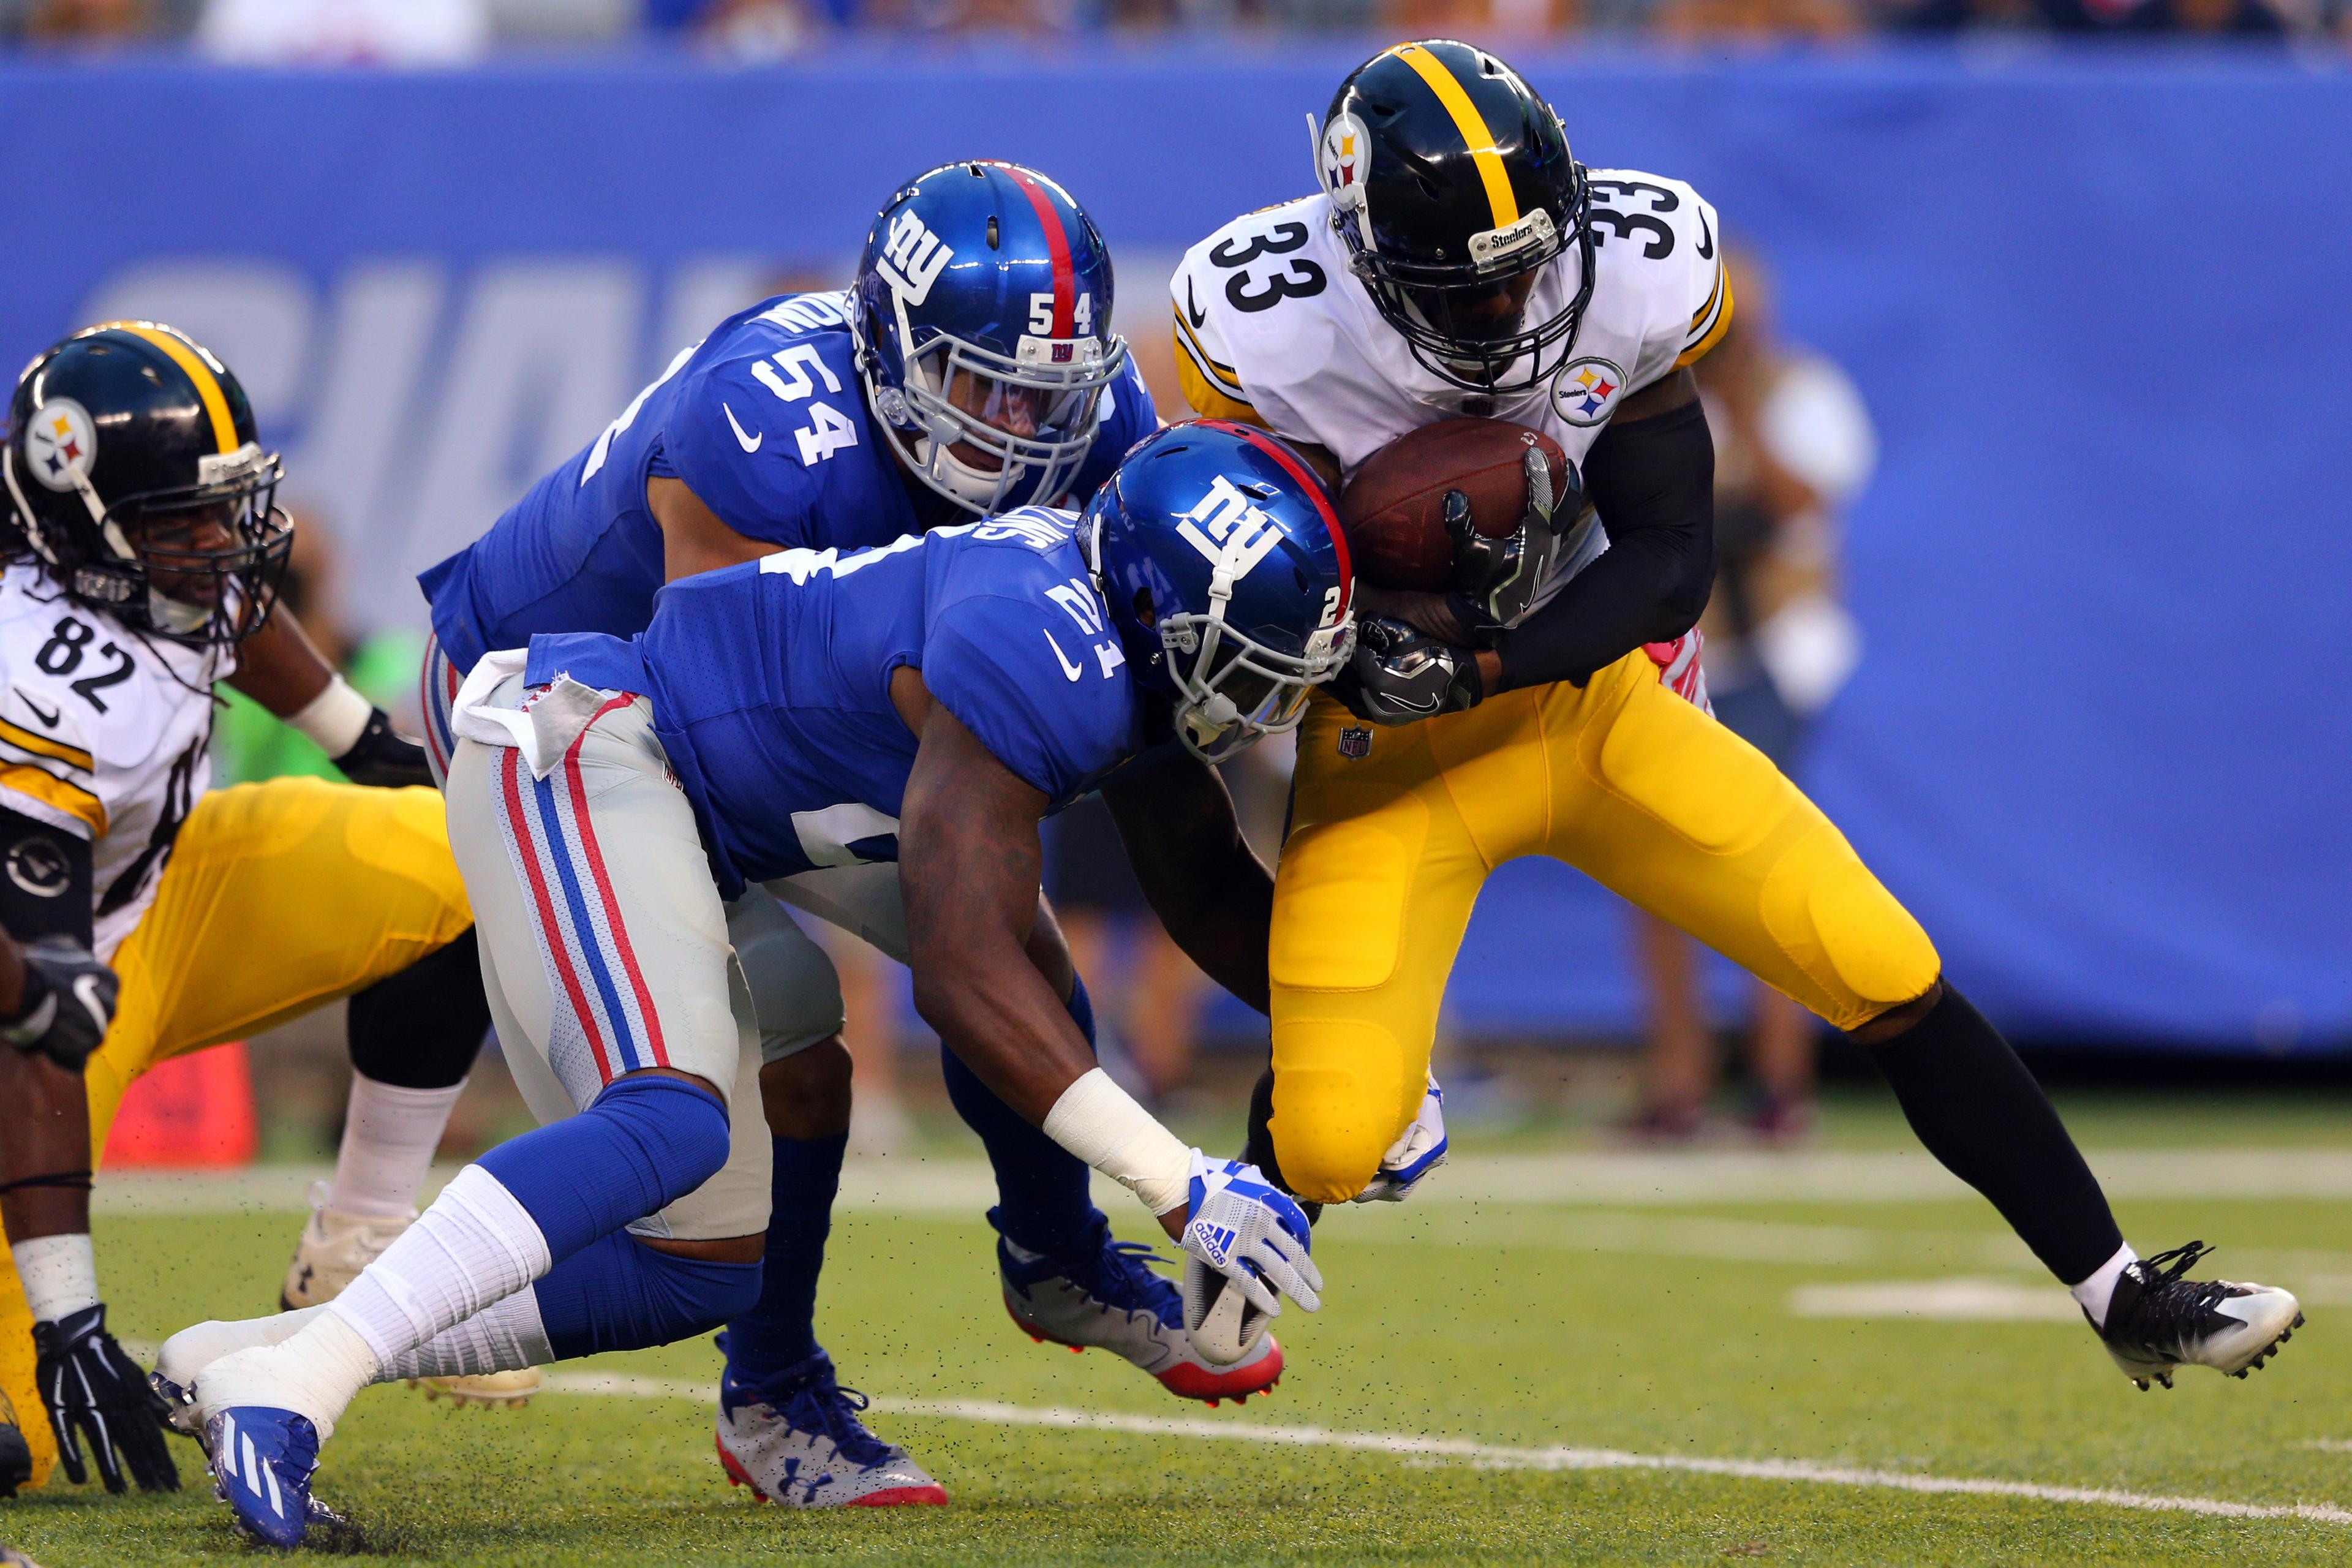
(456, 32)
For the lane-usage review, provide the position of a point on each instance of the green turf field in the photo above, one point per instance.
(1493, 1380)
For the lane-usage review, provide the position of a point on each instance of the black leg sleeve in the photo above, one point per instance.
(1977, 1110)
(422, 1027)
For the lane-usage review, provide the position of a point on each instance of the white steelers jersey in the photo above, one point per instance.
(99, 738)
(1273, 328)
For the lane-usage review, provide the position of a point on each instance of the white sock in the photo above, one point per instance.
(475, 1245)
(507, 1336)
(389, 1137)
(192, 1349)
(2099, 1290)
(315, 1373)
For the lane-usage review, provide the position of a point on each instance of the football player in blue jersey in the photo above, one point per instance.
(923, 703)
(971, 370)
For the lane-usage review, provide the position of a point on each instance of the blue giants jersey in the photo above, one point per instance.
(770, 683)
(765, 422)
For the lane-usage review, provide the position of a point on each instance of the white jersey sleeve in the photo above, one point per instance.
(103, 734)
(1658, 256)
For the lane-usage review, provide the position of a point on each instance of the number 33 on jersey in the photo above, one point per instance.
(1274, 330)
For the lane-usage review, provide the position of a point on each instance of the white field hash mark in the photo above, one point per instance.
(1488, 1455)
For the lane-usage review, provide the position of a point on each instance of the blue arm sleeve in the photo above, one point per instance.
(1011, 683)
(728, 440)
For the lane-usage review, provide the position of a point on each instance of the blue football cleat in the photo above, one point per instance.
(794, 1437)
(1108, 1296)
(262, 1460)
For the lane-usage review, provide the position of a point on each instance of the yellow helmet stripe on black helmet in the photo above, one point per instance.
(1476, 136)
(190, 359)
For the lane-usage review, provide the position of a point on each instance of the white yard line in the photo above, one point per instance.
(914, 1185)
(1486, 1455)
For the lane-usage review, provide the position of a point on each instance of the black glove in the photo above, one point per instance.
(93, 1388)
(1398, 674)
(384, 758)
(69, 1001)
(1496, 579)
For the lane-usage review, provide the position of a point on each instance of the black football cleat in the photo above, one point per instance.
(2159, 1322)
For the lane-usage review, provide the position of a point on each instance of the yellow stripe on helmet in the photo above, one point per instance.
(1473, 126)
(189, 358)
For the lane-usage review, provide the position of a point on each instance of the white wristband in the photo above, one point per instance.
(59, 1275)
(1102, 1124)
(334, 719)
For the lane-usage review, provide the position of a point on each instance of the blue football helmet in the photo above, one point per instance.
(1220, 554)
(982, 319)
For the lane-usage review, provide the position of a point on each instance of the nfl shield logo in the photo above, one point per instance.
(1355, 743)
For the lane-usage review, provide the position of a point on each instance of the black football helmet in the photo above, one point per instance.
(1453, 187)
(134, 476)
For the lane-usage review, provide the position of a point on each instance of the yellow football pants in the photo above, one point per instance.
(1623, 780)
(278, 897)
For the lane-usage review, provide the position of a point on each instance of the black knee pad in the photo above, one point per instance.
(422, 1027)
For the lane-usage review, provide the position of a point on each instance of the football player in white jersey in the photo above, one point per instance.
(1458, 260)
(143, 552)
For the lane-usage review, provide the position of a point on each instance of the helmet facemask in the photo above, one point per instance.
(992, 432)
(198, 565)
(1466, 322)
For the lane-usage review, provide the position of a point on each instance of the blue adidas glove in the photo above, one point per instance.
(1252, 1233)
(1418, 1151)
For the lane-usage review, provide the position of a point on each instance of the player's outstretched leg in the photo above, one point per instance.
(1977, 1110)
(530, 1204)
(413, 1036)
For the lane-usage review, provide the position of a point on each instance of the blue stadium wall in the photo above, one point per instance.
(2099, 739)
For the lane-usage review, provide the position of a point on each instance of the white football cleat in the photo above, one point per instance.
(794, 1439)
(335, 1247)
(1109, 1298)
(2158, 1322)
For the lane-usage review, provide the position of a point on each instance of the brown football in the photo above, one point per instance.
(1393, 507)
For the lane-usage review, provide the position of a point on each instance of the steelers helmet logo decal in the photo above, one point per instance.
(60, 443)
(1344, 151)
(1586, 391)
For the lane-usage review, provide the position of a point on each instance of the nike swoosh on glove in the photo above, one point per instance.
(1252, 1233)
(68, 1001)
(94, 1389)
(1418, 1151)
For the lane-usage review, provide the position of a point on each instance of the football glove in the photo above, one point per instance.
(1252, 1233)
(1419, 1151)
(69, 1001)
(1399, 674)
(1496, 579)
(94, 1389)
(384, 758)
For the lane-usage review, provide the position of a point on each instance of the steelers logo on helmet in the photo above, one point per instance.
(1342, 155)
(1587, 391)
(60, 443)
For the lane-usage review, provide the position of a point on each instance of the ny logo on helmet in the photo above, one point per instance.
(912, 258)
(1227, 527)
